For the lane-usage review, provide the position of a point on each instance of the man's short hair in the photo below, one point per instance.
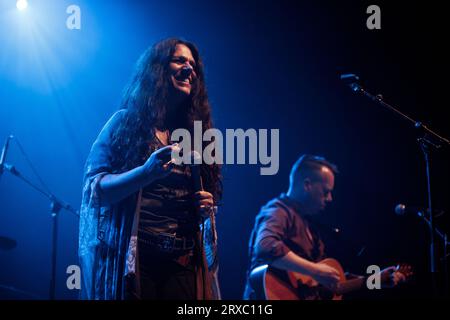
(309, 166)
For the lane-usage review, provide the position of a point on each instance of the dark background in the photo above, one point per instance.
(268, 65)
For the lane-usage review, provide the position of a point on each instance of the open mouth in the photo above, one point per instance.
(186, 81)
(183, 80)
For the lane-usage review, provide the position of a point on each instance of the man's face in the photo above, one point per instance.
(182, 57)
(319, 191)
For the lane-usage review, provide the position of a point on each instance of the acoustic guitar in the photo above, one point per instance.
(270, 283)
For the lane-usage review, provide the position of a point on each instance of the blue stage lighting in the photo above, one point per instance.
(22, 4)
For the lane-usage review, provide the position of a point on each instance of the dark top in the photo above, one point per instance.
(279, 228)
(167, 207)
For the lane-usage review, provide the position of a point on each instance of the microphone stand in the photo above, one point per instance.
(446, 243)
(55, 207)
(429, 141)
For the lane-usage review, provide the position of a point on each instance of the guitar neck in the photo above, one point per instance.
(351, 285)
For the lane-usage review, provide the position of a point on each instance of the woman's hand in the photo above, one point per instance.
(204, 202)
(115, 187)
(160, 162)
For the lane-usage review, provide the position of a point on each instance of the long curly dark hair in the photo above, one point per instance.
(146, 100)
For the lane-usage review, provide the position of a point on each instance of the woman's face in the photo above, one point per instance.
(182, 70)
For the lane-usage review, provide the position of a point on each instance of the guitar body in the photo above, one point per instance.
(274, 284)
(269, 283)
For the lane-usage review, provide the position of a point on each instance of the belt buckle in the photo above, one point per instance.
(166, 242)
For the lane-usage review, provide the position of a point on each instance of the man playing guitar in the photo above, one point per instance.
(285, 239)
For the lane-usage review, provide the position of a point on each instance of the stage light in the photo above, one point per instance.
(22, 4)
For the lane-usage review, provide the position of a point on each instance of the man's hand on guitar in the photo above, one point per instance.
(395, 275)
(326, 275)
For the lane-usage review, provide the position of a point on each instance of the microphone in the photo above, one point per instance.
(4, 152)
(197, 178)
(403, 210)
(352, 80)
(186, 71)
(195, 171)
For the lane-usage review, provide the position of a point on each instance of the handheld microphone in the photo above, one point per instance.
(186, 71)
(195, 171)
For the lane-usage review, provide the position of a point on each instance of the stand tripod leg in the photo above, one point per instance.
(54, 251)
